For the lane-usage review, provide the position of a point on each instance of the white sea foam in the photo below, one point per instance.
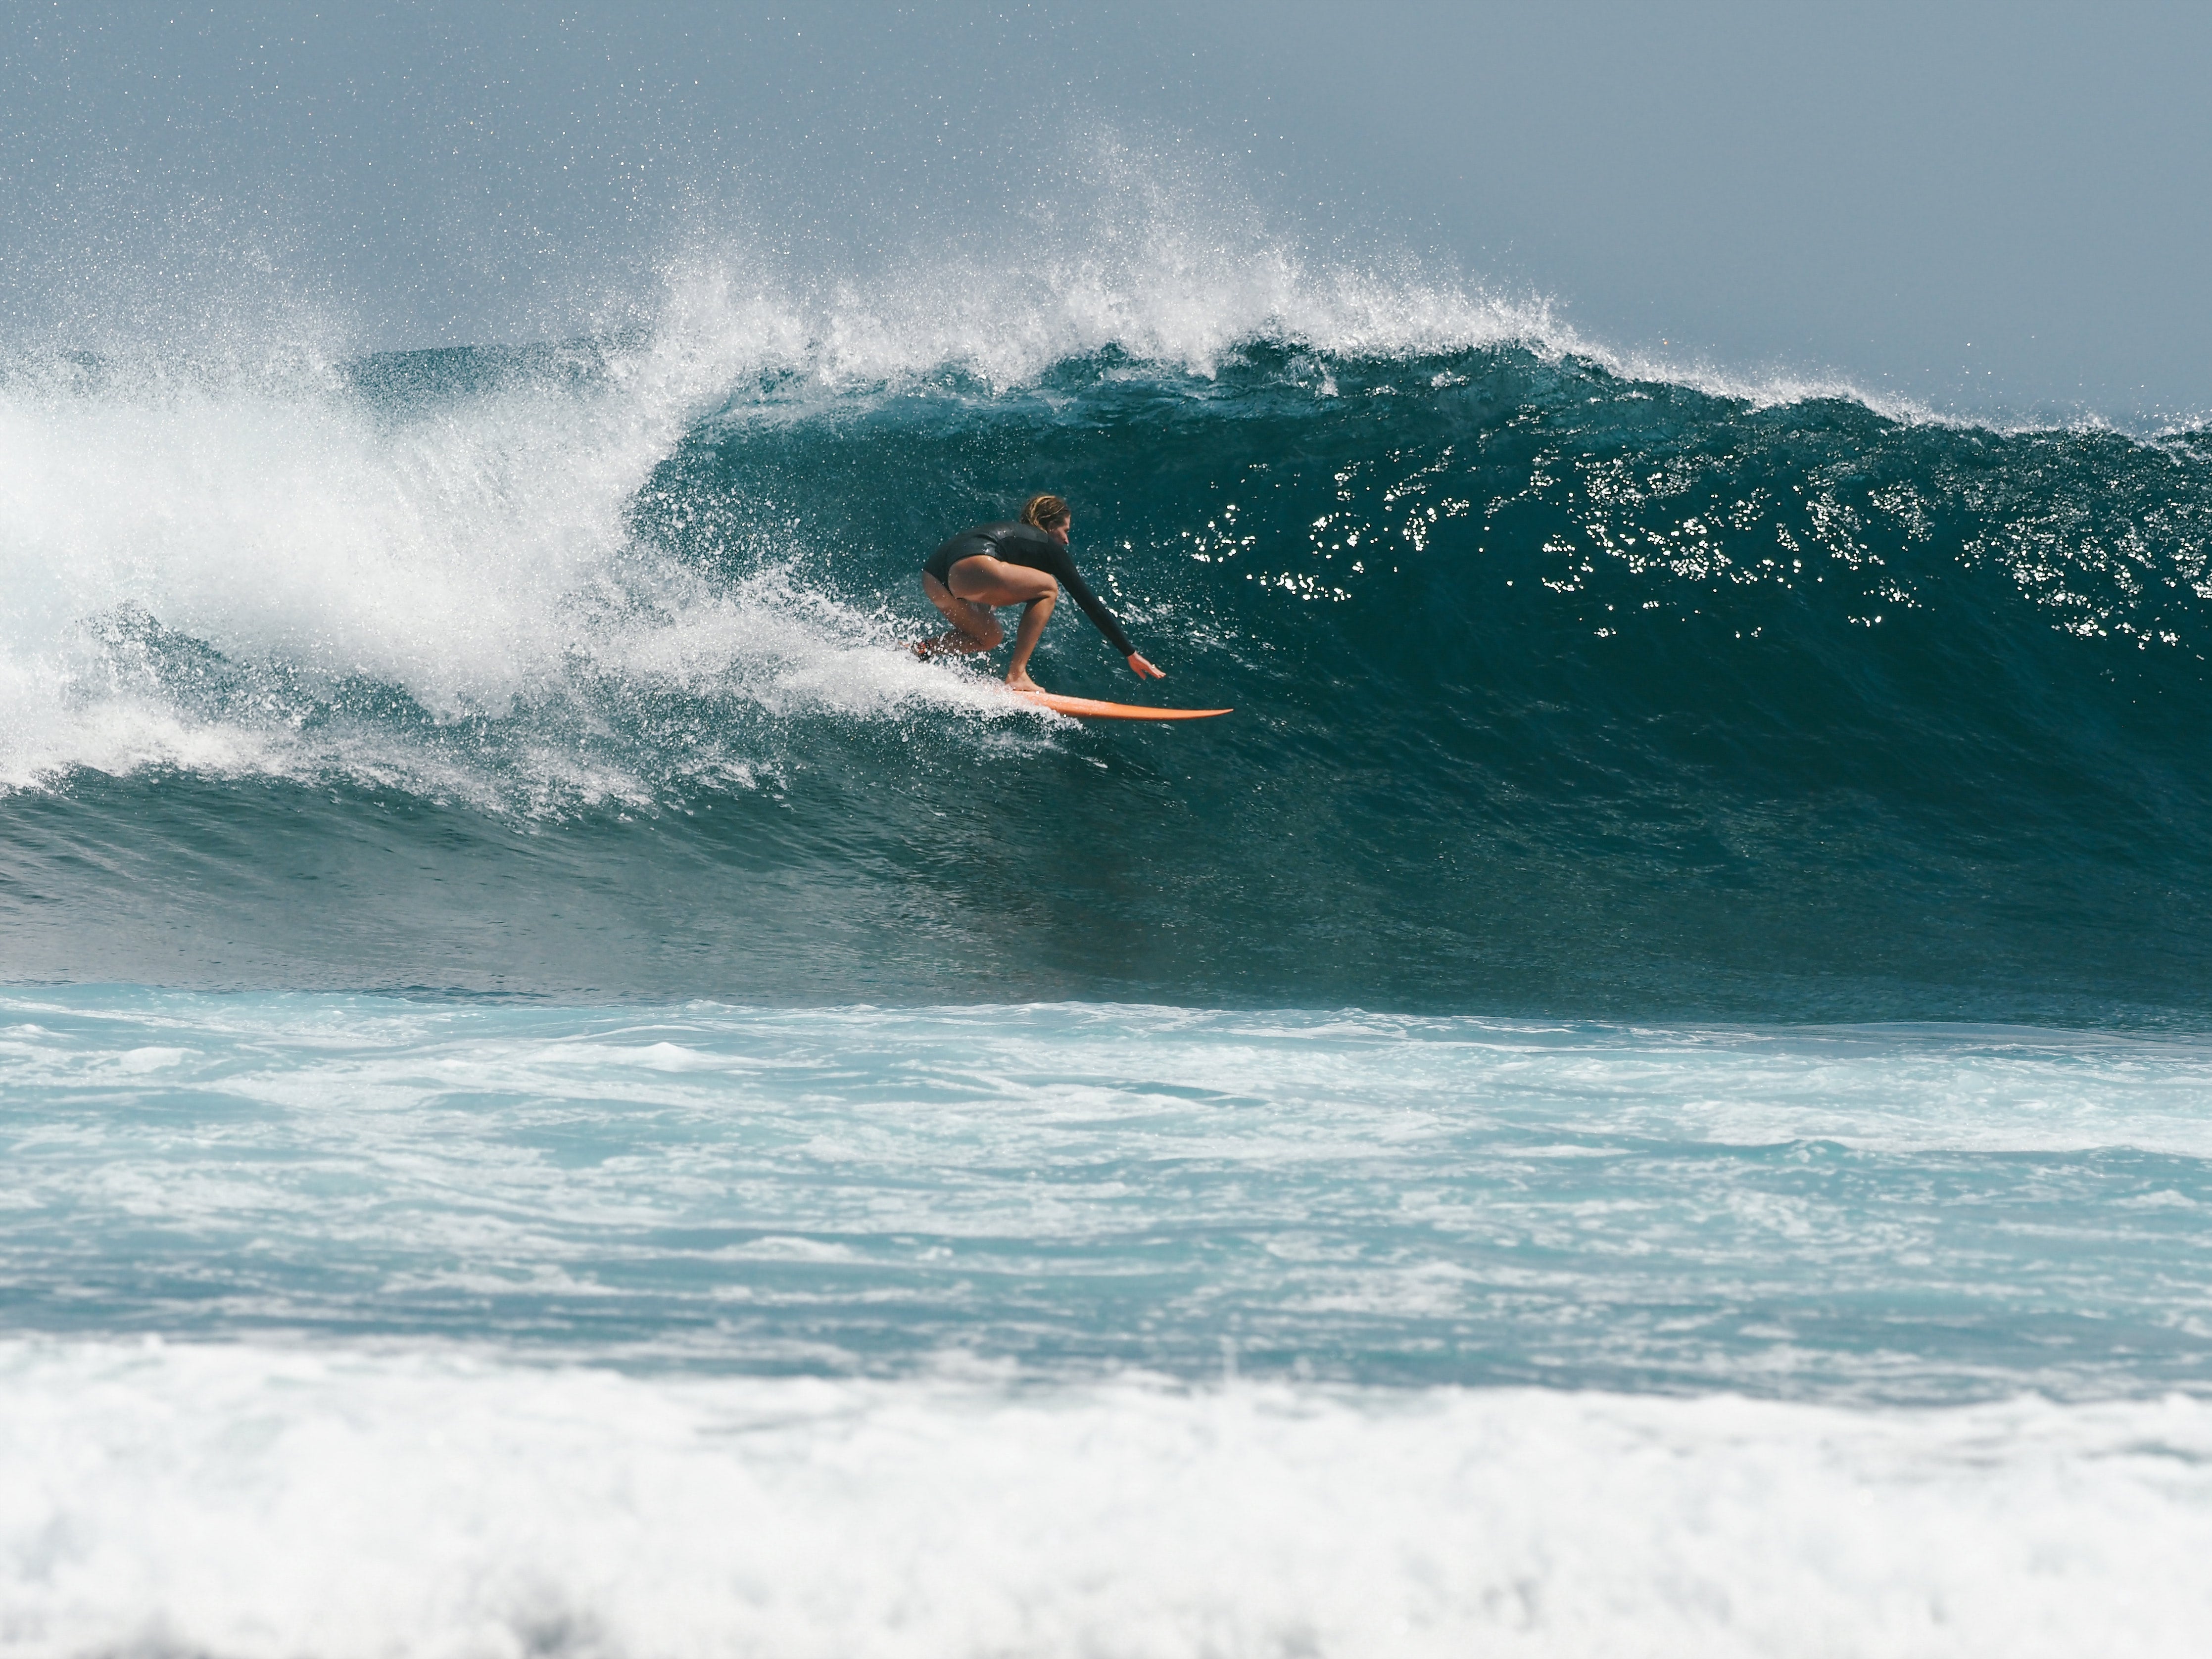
(348, 1162)
(238, 1502)
(474, 557)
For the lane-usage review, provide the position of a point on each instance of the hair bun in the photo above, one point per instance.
(1045, 513)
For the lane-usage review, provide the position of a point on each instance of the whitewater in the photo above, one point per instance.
(352, 1325)
(1648, 1093)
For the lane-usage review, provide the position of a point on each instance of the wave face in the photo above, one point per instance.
(1561, 686)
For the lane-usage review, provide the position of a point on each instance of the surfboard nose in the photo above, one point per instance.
(1093, 709)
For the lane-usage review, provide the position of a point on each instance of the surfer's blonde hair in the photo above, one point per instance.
(1045, 511)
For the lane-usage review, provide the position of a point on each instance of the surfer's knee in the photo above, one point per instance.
(980, 624)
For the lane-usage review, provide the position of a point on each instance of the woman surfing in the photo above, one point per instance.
(1025, 563)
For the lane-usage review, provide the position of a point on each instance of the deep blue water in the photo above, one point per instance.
(1558, 693)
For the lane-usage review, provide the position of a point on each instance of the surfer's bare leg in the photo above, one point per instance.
(1035, 615)
(974, 627)
(986, 582)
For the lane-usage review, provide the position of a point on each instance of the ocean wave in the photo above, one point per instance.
(1482, 603)
(216, 579)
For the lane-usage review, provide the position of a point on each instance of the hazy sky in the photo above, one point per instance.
(1993, 204)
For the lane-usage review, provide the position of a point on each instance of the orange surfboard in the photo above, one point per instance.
(1091, 708)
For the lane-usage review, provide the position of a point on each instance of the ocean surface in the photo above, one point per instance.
(1649, 1092)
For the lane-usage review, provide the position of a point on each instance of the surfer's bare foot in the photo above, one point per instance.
(1022, 682)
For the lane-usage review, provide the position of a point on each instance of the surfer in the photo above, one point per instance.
(1025, 563)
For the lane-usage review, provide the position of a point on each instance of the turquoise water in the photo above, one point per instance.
(1877, 1215)
(1646, 1093)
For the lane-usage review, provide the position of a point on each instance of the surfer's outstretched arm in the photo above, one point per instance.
(1063, 567)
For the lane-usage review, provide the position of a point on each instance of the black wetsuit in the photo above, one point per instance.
(1020, 543)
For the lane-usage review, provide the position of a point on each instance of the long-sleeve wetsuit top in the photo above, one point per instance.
(1020, 543)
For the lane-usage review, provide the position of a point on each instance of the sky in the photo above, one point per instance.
(1975, 206)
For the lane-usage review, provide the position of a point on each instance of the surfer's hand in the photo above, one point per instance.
(1143, 669)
